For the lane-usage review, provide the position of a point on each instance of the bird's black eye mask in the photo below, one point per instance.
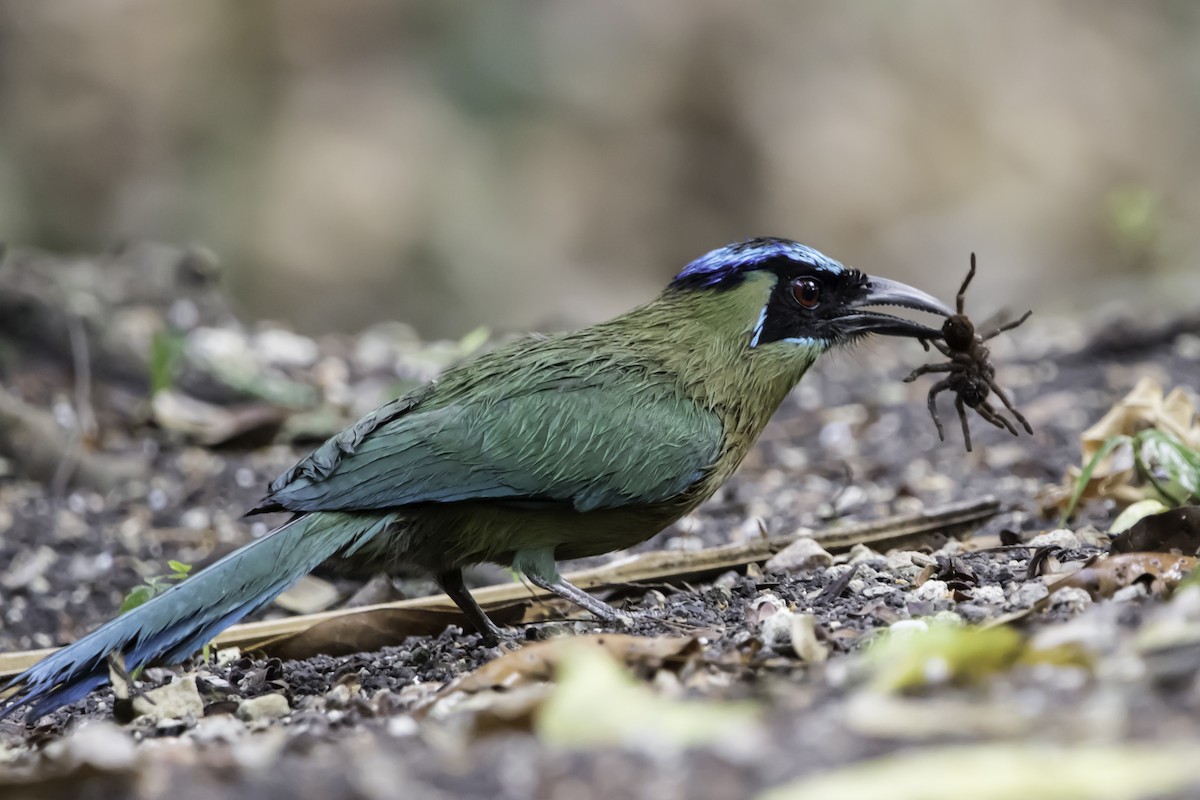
(814, 304)
(803, 302)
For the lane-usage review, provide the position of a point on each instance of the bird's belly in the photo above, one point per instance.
(443, 537)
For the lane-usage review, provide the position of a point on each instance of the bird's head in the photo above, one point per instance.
(805, 297)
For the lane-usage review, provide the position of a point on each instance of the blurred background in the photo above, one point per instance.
(541, 165)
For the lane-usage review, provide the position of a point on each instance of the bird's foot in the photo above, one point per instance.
(598, 608)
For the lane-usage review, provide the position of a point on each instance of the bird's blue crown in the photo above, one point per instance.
(726, 266)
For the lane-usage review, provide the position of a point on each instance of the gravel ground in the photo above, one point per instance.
(852, 443)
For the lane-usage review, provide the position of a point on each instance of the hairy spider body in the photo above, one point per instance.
(969, 372)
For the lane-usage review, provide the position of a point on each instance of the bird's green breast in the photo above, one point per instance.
(680, 370)
(584, 442)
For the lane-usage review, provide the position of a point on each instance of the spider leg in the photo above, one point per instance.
(925, 368)
(962, 293)
(962, 415)
(1008, 404)
(934, 391)
(943, 348)
(1008, 326)
(986, 411)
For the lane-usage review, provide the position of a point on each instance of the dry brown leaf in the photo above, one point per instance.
(366, 631)
(1144, 407)
(1103, 577)
(535, 663)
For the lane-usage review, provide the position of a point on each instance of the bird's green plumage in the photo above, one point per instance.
(579, 443)
(548, 448)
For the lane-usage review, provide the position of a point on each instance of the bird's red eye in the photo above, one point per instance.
(807, 292)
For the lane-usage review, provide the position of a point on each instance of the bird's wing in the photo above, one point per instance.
(592, 446)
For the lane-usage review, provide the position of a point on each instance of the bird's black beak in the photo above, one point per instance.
(882, 292)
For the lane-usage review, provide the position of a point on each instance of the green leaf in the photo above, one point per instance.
(1134, 514)
(179, 569)
(597, 703)
(1170, 465)
(136, 597)
(1009, 771)
(166, 357)
(944, 653)
(1085, 477)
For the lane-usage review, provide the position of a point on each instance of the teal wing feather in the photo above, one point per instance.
(593, 446)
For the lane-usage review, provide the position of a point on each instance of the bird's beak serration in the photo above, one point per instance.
(884, 292)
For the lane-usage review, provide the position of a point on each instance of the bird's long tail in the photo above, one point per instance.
(173, 625)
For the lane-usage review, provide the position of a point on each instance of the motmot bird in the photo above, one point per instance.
(545, 449)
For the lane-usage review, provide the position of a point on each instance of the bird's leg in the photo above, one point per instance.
(569, 591)
(937, 388)
(1006, 327)
(926, 368)
(538, 566)
(962, 415)
(986, 411)
(1008, 404)
(451, 582)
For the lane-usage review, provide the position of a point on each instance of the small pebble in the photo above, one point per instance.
(269, 706)
(1028, 593)
(179, 699)
(932, 591)
(1061, 537)
(799, 556)
(100, 744)
(1071, 599)
(988, 595)
(776, 631)
(1134, 591)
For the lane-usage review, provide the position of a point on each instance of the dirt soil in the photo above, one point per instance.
(853, 442)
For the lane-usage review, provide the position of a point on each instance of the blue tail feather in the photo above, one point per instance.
(176, 623)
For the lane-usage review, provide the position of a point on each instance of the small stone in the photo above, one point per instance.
(268, 706)
(1134, 591)
(1071, 599)
(1026, 594)
(973, 612)
(860, 553)
(727, 580)
(1061, 537)
(219, 728)
(100, 744)
(308, 595)
(988, 595)
(227, 655)
(879, 590)
(28, 568)
(801, 555)
(776, 631)
(946, 617)
(177, 700)
(900, 563)
(932, 591)
(338, 696)
(278, 346)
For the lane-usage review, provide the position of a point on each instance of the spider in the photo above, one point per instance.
(971, 374)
